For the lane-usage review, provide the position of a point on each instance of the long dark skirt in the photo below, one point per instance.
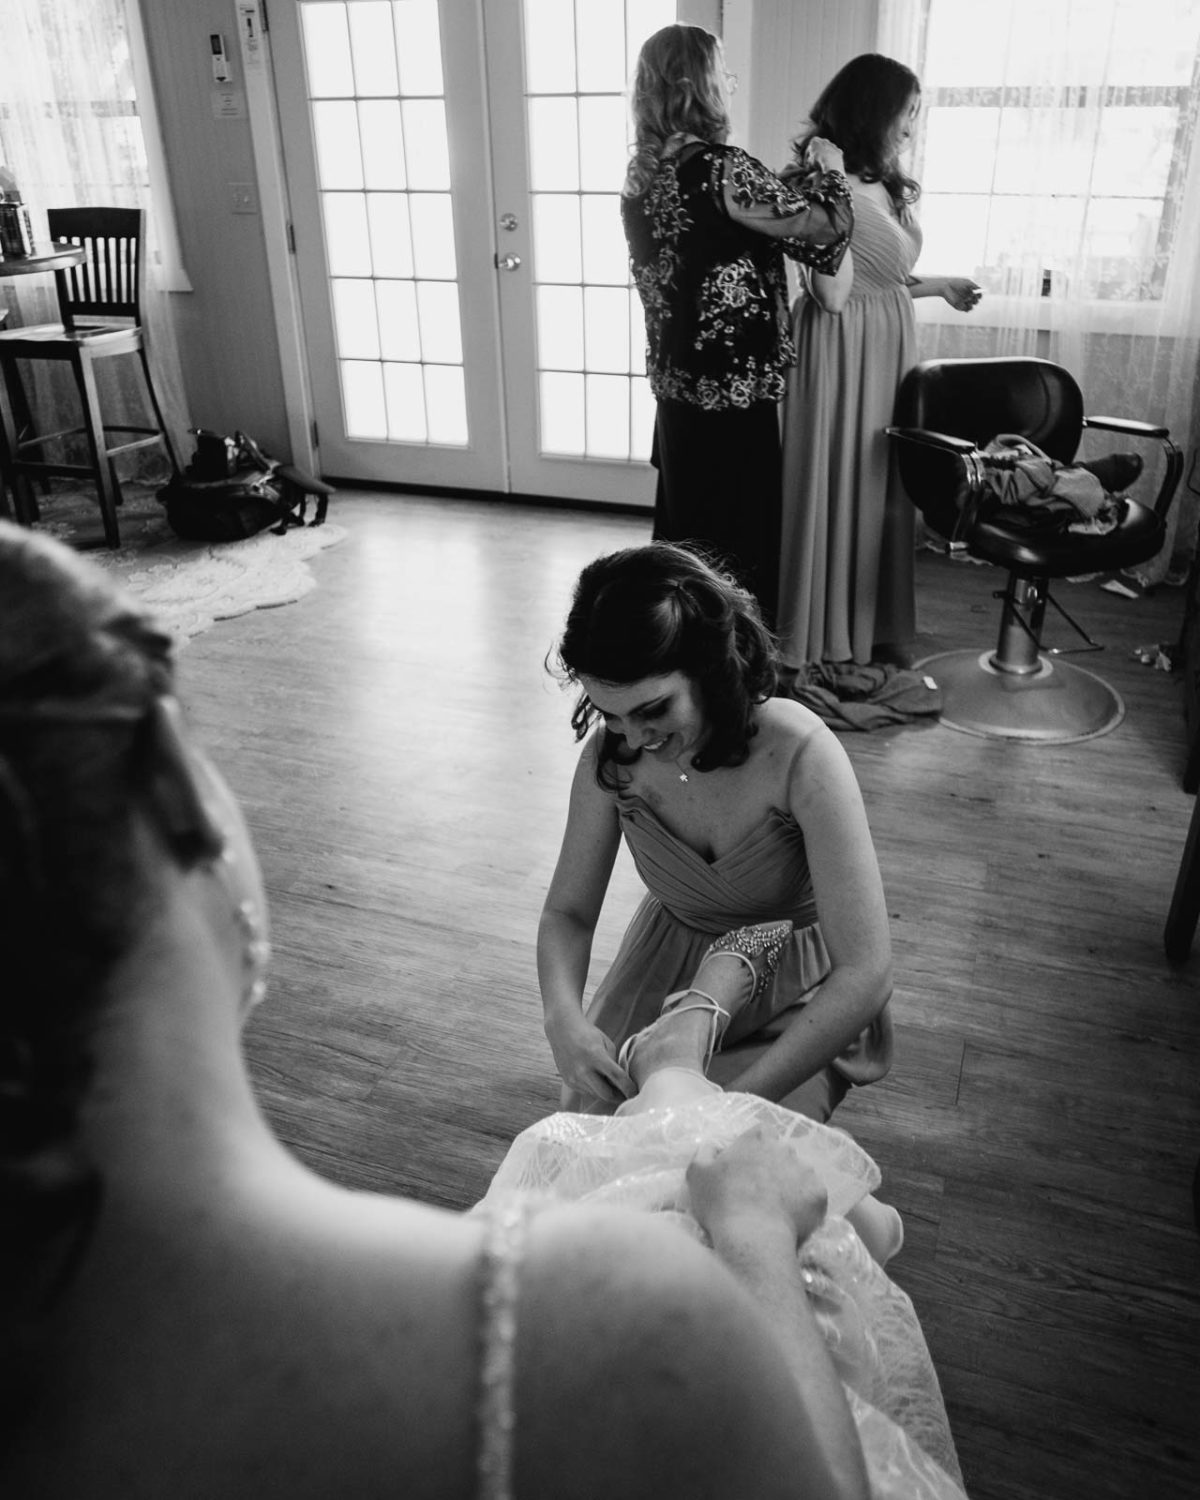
(720, 485)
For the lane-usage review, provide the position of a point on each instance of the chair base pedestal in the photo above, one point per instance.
(1055, 704)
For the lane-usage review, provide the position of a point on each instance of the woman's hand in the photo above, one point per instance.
(586, 1059)
(756, 1181)
(824, 154)
(961, 292)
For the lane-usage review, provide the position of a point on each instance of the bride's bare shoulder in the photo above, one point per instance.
(627, 1325)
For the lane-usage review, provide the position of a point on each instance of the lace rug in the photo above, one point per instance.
(189, 586)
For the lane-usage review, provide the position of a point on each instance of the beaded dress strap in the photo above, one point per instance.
(503, 1252)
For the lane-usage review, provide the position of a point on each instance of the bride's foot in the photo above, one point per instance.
(879, 1226)
(692, 1022)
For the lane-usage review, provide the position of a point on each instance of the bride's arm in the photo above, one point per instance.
(758, 1203)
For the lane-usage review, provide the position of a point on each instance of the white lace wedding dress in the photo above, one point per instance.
(869, 1324)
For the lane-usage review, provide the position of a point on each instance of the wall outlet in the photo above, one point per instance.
(243, 198)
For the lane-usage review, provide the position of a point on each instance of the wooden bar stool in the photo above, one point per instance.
(100, 305)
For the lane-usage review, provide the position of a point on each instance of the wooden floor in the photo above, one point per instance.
(404, 761)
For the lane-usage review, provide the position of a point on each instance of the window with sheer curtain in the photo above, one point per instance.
(78, 127)
(1059, 157)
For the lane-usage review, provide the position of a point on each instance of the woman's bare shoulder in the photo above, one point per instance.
(784, 722)
(627, 1325)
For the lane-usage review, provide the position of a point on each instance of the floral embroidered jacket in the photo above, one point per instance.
(707, 239)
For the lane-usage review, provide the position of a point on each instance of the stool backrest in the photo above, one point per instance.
(108, 282)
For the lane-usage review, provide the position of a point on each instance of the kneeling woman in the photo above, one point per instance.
(738, 808)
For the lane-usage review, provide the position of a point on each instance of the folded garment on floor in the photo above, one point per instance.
(848, 696)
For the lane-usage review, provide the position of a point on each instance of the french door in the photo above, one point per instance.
(453, 175)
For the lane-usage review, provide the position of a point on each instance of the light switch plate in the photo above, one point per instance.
(243, 198)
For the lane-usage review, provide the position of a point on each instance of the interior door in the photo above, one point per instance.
(453, 173)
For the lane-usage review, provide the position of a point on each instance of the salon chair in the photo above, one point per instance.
(99, 303)
(947, 410)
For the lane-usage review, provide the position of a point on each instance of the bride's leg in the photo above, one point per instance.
(668, 1062)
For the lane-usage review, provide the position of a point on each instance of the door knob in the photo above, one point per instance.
(507, 262)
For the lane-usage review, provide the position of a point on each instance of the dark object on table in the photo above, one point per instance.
(100, 304)
(231, 489)
(946, 412)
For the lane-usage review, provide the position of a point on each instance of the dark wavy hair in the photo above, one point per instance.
(678, 89)
(857, 110)
(80, 667)
(650, 611)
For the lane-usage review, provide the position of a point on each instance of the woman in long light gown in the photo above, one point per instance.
(645, 1157)
(846, 579)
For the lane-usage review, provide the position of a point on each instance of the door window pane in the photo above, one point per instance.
(557, 243)
(601, 46)
(347, 248)
(362, 397)
(433, 235)
(441, 331)
(327, 51)
(372, 48)
(549, 47)
(426, 149)
(553, 145)
(399, 329)
(603, 154)
(382, 136)
(405, 388)
(562, 425)
(605, 253)
(335, 135)
(560, 327)
(446, 404)
(391, 234)
(419, 47)
(355, 321)
(606, 325)
(607, 416)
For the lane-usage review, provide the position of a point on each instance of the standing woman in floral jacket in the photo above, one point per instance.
(708, 227)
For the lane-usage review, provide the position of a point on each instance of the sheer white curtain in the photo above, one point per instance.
(1059, 157)
(74, 110)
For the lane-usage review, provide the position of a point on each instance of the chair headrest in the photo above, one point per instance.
(977, 398)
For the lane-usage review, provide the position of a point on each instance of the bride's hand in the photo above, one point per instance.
(586, 1059)
(755, 1181)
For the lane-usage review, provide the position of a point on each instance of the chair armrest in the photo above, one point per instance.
(1127, 426)
(941, 440)
(1174, 458)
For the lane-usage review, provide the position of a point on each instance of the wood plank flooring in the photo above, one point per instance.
(404, 761)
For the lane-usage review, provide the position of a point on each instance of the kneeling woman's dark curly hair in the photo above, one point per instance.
(650, 611)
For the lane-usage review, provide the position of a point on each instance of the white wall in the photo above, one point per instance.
(226, 332)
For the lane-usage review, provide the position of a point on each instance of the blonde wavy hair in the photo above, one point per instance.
(678, 89)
